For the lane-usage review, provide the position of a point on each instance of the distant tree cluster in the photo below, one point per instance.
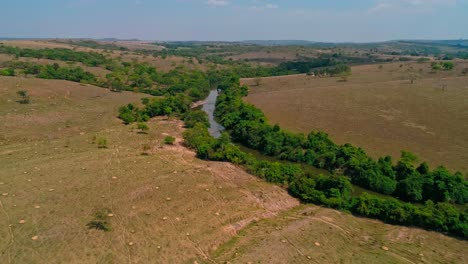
(74, 74)
(148, 80)
(98, 45)
(445, 65)
(54, 71)
(88, 58)
(177, 105)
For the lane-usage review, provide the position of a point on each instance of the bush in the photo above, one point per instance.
(100, 221)
(24, 97)
(7, 72)
(143, 127)
(102, 142)
(169, 140)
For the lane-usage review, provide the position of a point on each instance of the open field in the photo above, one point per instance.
(377, 109)
(167, 206)
(311, 234)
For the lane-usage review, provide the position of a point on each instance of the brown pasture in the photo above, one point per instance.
(377, 109)
(164, 205)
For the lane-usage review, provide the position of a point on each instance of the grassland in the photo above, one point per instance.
(310, 234)
(161, 203)
(167, 206)
(378, 109)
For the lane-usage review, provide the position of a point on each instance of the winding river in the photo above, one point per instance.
(209, 107)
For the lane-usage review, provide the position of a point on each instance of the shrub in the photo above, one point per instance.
(143, 127)
(102, 142)
(169, 140)
(7, 72)
(24, 97)
(100, 221)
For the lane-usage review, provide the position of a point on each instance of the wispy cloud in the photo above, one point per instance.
(264, 7)
(217, 2)
(410, 6)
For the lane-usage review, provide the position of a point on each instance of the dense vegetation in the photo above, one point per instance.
(147, 79)
(88, 58)
(182, 88)
(52, 71)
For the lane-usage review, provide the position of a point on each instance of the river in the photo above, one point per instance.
(209, 107)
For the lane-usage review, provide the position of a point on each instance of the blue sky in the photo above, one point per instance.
(318, 20)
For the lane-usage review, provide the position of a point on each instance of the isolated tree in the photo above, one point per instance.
(448, 65)
(24, 97)
(412, 76)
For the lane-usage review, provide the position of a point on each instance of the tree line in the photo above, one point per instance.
(87, 58)
(52, 71)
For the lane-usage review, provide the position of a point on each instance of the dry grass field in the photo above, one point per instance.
(163, 207)
(311, 234)
(378, 109)
(36, 44)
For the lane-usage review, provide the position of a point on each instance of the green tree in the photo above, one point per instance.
(448, 65)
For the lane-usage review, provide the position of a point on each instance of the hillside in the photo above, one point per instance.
(166, 205)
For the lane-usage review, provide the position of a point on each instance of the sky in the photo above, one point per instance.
(233, 20)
